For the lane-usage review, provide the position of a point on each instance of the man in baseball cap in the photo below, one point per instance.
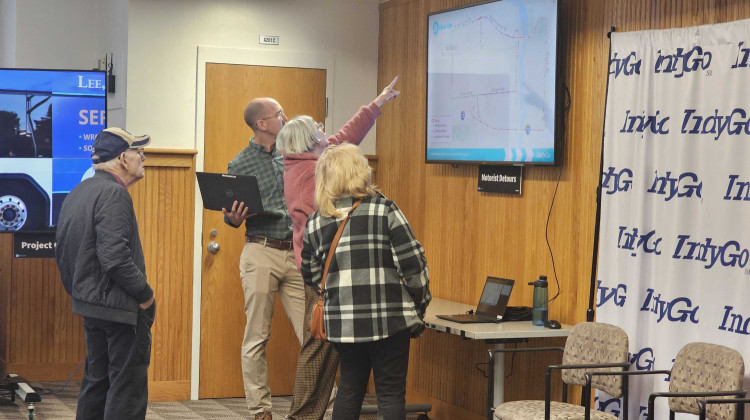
(113, 141)
(109, 154)
(102, 268)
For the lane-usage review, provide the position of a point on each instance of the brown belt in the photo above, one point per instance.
(270, 242)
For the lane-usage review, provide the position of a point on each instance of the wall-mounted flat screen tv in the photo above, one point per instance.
(48, 122)
(491, 83)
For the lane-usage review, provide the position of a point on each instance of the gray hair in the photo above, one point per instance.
(110, 165)
(299, 135)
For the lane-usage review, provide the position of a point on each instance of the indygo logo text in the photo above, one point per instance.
(685, 185)
(681, 61)
(633, 241)
(734, 322)
(735, 123)
(728, 254)
(613, 181)
(616, 294)
(643, 359)
(676, 310)
(627, 66)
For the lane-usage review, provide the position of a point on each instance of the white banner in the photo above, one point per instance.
(674, 247)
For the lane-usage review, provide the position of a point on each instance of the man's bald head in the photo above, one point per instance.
(255, 110)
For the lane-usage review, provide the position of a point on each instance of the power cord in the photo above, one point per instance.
(483, 372)
(64, 385)
(546, 235)
(566, 109)
(512, 362)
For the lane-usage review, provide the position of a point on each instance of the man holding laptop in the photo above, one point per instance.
(267, 262)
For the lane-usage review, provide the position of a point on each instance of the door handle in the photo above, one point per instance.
(213, 247)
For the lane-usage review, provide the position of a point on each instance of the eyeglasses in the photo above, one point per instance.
(276, 115)
(320, 126)
(141, 151)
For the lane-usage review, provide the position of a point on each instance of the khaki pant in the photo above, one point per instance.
(264, 272)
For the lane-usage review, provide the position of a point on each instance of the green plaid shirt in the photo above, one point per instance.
(268, 167)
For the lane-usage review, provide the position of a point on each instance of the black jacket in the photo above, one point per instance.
(99, 251)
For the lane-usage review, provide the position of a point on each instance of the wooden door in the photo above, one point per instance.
(229, 87)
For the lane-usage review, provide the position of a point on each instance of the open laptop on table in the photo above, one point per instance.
(221, 190)
(492, 303)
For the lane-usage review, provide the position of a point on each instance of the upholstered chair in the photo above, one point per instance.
(591, 347)
(700, 371)
(739, 402)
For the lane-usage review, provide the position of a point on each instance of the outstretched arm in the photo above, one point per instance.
(387, 94)
(355, 130)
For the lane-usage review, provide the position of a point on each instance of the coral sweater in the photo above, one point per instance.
(299, 173)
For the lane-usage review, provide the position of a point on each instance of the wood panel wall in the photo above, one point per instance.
(43, 340)
(469, 235)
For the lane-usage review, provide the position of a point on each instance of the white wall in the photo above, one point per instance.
(70, 34)
(154, 43)
(7, 33)
(164, 35)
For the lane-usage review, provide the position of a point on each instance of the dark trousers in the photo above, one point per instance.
(115, 383)
(389, 361)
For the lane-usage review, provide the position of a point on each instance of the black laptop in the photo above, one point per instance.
(221, 190)
(492, 303)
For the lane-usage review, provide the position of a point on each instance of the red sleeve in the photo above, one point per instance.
(355, 130)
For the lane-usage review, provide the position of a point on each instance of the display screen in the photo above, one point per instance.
(491, 83)
(48, 122)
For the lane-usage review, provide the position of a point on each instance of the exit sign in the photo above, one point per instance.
(269, 40)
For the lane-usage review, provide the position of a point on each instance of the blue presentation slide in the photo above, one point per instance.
(48, 122)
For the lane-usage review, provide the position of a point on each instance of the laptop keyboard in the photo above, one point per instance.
(473, 318)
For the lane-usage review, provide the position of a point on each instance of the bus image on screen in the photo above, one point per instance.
(48, 122)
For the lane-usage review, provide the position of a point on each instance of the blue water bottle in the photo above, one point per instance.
(539, 313)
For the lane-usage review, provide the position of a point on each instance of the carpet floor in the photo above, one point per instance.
(60, 404)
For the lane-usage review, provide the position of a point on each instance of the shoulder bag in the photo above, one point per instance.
(317, 324)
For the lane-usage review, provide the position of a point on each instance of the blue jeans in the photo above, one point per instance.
(389, 360)
(115, 382)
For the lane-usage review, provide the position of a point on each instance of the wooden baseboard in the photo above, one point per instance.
(50, 372)
(441, 409)
(60, 372)
(169, 391)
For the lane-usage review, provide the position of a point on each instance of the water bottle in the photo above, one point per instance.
(539, 313)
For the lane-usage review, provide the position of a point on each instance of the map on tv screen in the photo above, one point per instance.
(491, 83)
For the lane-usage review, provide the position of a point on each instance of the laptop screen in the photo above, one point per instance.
(495, 296)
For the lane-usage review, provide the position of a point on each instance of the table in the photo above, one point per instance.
(497, 334)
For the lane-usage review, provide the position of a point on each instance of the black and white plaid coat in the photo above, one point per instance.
(378, 281)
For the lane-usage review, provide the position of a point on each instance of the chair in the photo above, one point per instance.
(702, 404)
(703, 370)
(590, 347)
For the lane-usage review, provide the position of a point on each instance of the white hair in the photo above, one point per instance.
(110, 165)
(299, 135)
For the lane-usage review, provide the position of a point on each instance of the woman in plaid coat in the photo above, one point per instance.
(302, 140)
(377, 289)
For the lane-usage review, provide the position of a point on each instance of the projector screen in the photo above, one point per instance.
(48, 122)
(491, 83)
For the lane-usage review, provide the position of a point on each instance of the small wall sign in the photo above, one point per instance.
(34, 245)
(269, 40)
(500, 179)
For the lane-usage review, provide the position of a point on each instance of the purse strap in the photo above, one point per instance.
(333, 246)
